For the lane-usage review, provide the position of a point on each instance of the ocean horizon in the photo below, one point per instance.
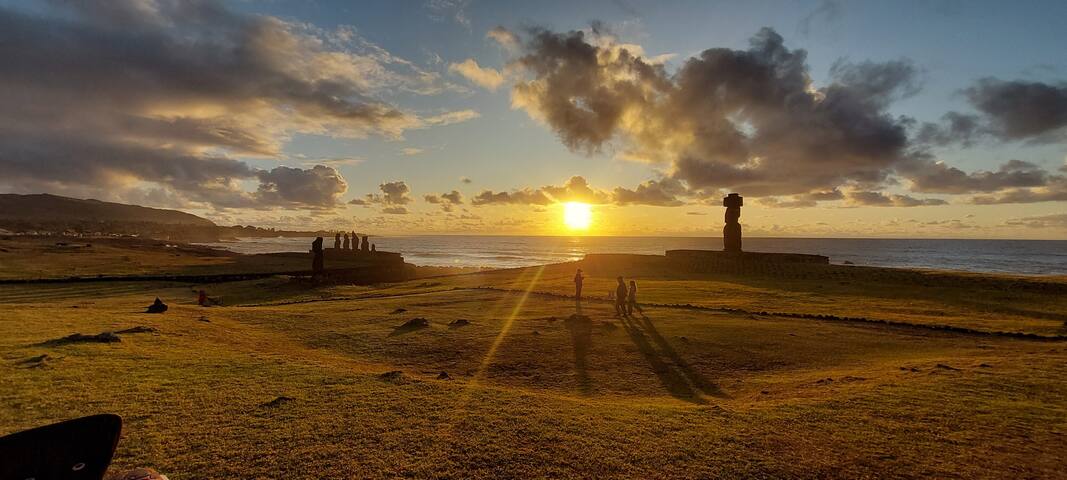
(1025, 257)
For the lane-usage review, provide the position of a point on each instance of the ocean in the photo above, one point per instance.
(1029, 257)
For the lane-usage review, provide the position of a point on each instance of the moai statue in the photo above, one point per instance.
(373, 248)
(346, 244)
(337, 241)
(731, 233)
(365, 245)
(316, 250)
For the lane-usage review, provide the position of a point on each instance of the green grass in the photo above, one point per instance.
(685, 393)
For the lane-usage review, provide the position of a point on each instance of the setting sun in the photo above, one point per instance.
(577, 215)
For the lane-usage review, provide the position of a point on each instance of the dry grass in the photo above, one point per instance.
(682, 394)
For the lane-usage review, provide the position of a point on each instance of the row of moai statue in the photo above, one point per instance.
(354, 243)
(317, 258)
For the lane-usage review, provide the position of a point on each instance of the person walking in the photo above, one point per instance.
(631, 300)
(578, 279)
(620, 298)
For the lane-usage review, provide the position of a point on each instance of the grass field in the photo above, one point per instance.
(294, 381)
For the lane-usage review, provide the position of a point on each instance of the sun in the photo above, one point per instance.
(577, 215)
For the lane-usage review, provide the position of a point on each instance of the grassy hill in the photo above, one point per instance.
(52, 208)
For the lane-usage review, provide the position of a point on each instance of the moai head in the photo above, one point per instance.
(733, 203)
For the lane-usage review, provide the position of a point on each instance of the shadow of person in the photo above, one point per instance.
(675, 383)
(694, 378)
(581, 329)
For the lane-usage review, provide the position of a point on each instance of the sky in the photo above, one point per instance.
(926, 118)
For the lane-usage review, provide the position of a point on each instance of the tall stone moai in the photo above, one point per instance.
(316, 259)
(731, 233)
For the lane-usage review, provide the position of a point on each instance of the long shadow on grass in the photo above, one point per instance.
(695, 378)
(674, 381)
(581, 329)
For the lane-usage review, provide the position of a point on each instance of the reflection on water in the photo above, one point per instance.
(1012, 256)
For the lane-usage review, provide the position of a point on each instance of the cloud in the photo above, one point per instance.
(935, 177)
(1019, 109)
(1055, 190)
(748, 120)
(879, 199)
(411, 151)
(466, 180)
(503, 37)
(652, 192)
(485, 77)
(1044, 221)
(446, 201)
(454, 10)
(395, 210)
(827, 12)
(516, 197)
(320, 186)
(116, 95)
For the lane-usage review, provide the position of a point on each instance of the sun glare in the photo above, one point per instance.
(577, 215)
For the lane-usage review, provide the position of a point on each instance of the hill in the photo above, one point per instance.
(53, 208)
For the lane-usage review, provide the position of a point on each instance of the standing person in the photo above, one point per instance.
(578, 279)
(620, 298)
(631, 300)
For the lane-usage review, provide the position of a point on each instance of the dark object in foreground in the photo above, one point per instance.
(157, 307)
(75, 449)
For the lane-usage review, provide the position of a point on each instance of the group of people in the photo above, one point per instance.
(625, 298)
(354, 243)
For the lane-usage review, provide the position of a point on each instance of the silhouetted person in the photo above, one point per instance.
(578, 279)
(373, 248)
(347, 245)
(157, 307)
(365, 244)
(631, 300)
(337, 241)
(316, 251)
(731, 233)
(620, 298)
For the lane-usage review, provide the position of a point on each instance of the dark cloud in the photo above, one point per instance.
(111, 95)
(447, 201)
(807, 200)
(1053, 191)
(652, 192)
(879, 199)
(929, 176)
(394, 194)
(517, 197)
(319, 186)
(827, 12)
(465, 180)
(1019, 109)
(955, 127)
(747, 120)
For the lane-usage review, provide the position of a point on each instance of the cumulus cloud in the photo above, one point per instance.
(447, 201)
(113, 95)
(465, 180)
(1021, 109)
(395, 195)
(395, 210)
(484, 77)
(318, 186)
(753, 121)
(516, 197)
(661, 193)
(747, 120)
